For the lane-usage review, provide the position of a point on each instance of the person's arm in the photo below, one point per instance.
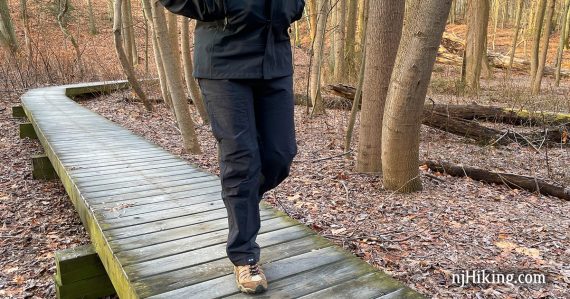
(201, 10)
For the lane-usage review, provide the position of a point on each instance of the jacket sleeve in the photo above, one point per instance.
(201, 10)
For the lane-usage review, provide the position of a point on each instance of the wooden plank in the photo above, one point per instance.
(195, 282)
(148, 163)
(18, 112)
(275, 268)
(77, 263)
(89, 288)
(136, 175)
(174, 234)
(201, 179)
(169, 222)
(27, 131)
(42, 168)
(125, 162)
(145, 180)
(135, 208)
(185, 259)
(371, 285)
(147, 191)
(192, 242)
(126, 171)
(318, 278)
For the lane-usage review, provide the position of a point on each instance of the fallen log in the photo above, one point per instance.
(479, 112)
(528, 183)
(458, 120)
(452, 46)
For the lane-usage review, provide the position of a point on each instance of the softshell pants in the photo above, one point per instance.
(252, 120)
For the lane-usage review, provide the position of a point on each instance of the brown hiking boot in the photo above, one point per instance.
(250, 279)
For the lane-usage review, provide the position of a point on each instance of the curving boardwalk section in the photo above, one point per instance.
(159, 225)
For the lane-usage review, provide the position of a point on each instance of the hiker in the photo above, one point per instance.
(243, 63)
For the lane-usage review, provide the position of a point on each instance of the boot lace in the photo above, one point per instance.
(253, 269)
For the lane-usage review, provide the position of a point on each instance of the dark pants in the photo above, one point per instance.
(252, 120)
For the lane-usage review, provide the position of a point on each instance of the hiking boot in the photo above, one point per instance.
(250, 279)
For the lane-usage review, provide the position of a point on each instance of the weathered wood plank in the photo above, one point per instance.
(42, 168)
(201, 280)
(371, 285)
(135, 175)
(146, 180)
(27, 131)
(77, 263)
(126, 171)
(18, 112)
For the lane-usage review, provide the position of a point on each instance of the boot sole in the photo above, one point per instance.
(258, 290)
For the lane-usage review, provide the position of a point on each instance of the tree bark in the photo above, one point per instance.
(565, 13)
(316, 67)
(477, 20)
(191, 85)
(157, 57)
(528, 183)
(536, 33)
(313, 15)
(127, 67)
(383, 38)
(520, 6)
(172, 71)
(25, 20)
(92, 26)
(537, 78)
(339, 38)
(7, 33)
(60, 20)
(350, 48)
(423, 27)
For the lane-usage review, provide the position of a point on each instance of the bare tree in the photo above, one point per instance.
(7, 33)
(382, 41)
(64, 6)
(565, 14)
(520, 5)
(537, 78)
(127, 67)
(339, 38)
(316, 67)
(475, 48)
(423, 28)
(92, 26)
(536, 33)
(175, 85)
(191, 85)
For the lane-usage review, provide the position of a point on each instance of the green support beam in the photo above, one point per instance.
(42, 168)
(18, 112)
(27, 131)
(80, 274)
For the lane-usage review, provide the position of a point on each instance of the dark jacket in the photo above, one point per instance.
(240, 39)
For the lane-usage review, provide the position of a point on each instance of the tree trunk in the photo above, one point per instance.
(313, 15)
(339, 38)
(477, 20)
(383, 38)
(537, 78)
(172, 71)
(531, 184)
(565, 13)
(127, 67)
(350, 47)
(191, 85)
(92, 26)
(25, 20)
(520, 6)
(536, 33)
(60, 20)
(316, 67)
(7, 33)
(358, 93)
(424, 25)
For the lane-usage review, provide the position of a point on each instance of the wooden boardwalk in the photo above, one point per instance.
(159, 225)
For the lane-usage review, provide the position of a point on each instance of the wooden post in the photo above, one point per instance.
(18, 112)
(42, 168)
(27, 131)
(80, 274)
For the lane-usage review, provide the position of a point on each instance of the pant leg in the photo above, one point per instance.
(274, 115)
(230, 105)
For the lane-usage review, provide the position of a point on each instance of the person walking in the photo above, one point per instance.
(243, 64)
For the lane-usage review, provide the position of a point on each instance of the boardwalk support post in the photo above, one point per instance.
(18, 112)
(42, 168)
(80, 274)
(27, 131)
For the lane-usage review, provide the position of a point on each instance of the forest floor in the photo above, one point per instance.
(421, 239)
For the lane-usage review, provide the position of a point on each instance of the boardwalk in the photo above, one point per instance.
(159, 225)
